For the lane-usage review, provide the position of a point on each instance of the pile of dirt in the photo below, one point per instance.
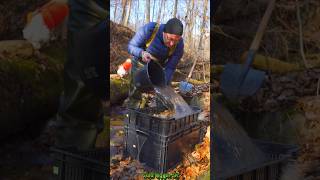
(282, 91)
(13, 16)
(309, 159)
(119, 39)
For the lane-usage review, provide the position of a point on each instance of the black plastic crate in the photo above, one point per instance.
(160, 153)
(75, 165)
(279, 155)
(162, 126)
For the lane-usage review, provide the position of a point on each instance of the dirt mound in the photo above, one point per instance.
(310, 152)
(119, 39)
(13, 16)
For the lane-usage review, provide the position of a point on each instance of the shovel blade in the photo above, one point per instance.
(231, 84)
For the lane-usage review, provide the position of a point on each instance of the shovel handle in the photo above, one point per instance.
(255, 44)
(250, 58)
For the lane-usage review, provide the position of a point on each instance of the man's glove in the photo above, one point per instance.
(185, 87)
(146, 57)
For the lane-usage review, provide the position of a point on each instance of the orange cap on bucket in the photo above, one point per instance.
(54, 13)
(127, 65)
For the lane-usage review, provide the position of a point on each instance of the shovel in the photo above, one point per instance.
(239, 79)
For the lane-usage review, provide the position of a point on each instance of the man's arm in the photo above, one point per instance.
(138, 42)
(173, 61)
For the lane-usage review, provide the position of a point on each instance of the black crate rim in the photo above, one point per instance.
(196, 109)
(282, 158)
(193, 125)
(80, 156)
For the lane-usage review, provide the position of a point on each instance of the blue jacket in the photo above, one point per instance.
(157, 48)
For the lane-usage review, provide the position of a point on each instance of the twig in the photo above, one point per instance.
(218, 30)
(300, 35)
(318, 86)
(283, 23)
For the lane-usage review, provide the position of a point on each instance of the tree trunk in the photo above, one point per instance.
(147, 11)
(191, 24)
(205, 6)
(115, 11)
(124, 5)
(159, 12)
(187, 18)
(128, 13)
(175, 8)
(164, 10)
(154, 5)
(137, 16)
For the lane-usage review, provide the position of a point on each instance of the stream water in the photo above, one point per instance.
(173, 101)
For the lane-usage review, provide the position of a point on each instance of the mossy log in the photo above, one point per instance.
(195, 82)
(29, 91)
(103, 138)
(272, 64)
(16, 48)
(264, 63)
(216, 69)
(119, 88)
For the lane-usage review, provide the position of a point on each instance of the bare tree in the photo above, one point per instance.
(137, 16)
(175, 8)
(164, 10)
(147, 11)
(124, 5)
(127, 13)
(115, 11)
(186, 19)
(159, 12)
(204, 19)
(153, 8)
(191, 22)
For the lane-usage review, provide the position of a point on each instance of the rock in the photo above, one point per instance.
(30, 93)
(15, 48)
(119, 88)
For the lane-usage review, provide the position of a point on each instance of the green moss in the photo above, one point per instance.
(118, 88)
(104, 136)
(205, 176)
(57, 52)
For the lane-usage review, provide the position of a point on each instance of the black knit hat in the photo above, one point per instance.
(174, 26)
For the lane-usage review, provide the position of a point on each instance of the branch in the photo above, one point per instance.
(301, 35)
